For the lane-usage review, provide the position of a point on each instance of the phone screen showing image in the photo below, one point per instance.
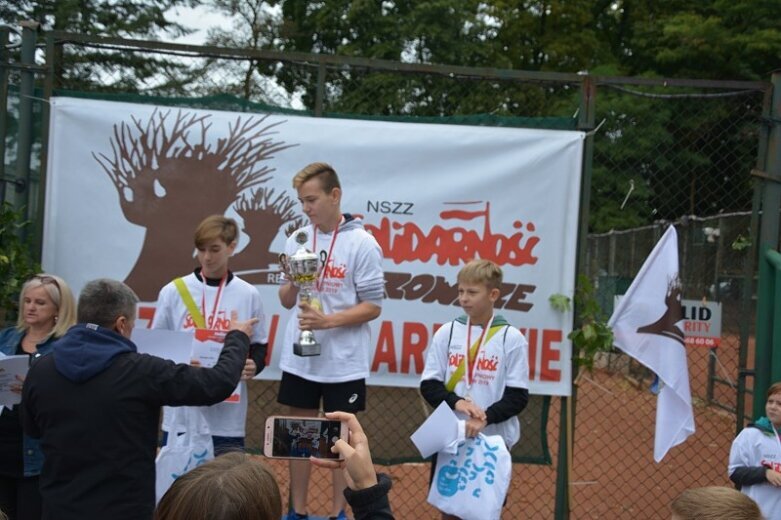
(304, 438)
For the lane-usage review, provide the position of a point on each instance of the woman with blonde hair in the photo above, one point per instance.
(46, 311)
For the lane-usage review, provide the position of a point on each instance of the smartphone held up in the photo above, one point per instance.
(302, 437)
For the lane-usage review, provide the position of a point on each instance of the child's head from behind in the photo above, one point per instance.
(714, 503)
(479, 284)
(215, 239)
(231, 487)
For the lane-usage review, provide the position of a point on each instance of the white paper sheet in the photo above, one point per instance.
(206, 348)
(167, 344)
(441, 431)
(10, 368)
(207, 345)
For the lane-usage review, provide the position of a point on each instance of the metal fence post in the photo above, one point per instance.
(749, 268)
(586, 119)
(48, 89)
(768, 241)
(774, 259)
(26, 91)
(320, 95)
(4, 54)
(713, 351)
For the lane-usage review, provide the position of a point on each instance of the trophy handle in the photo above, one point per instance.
(284, 267)
(323, 256)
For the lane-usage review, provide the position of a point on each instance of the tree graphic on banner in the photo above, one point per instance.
(169, 177)
(264, 214)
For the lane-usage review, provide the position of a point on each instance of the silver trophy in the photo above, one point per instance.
(303, 268)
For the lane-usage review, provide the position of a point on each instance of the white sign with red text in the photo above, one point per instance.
(701, 324)
(128, 183)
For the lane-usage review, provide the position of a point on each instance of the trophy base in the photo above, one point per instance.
(306, 349)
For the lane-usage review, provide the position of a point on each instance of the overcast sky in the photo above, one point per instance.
(201, 20)
(198, 18)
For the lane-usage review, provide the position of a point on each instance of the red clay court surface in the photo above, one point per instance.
(614, 475)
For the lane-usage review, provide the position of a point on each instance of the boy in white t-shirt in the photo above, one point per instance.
(755, 457)
(348, 295)
(216, 297)
(488, 387)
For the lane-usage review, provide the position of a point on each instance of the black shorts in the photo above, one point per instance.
(349, 396)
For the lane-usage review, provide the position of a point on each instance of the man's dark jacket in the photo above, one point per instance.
(95, 404)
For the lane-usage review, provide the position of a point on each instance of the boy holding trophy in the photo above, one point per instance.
(326, 351)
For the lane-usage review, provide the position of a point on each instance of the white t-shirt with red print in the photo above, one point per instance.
(753, 447)
(225, 419)
(501, 362)
(353, 274)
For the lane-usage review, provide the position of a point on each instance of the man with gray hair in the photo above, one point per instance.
(95, 404)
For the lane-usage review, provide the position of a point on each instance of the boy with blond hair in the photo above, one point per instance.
(348, 295)
(210, 297)
(714, 503)
(478, 363)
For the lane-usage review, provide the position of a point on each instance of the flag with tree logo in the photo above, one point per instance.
(646, 326)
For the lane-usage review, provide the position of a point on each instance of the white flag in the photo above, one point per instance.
(646, 325)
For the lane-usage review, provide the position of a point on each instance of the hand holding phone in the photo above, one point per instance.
(357, 460)
(290, 437)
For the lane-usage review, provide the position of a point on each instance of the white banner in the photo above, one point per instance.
(127, 185)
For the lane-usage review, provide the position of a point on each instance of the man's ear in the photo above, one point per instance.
(232, 246)
(121, 325)
(494, 294)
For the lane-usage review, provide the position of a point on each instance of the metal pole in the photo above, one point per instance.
(48, 89)
(713, 352)
(586, 119)
(683, 270)
(768, 241)
(26, 92)
(320, 94)
(749, 268)
(774, 259)
(4, 58)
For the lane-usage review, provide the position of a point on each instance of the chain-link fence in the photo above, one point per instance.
(19, 172)
(713, 252)
(662, 150)
(690, 154)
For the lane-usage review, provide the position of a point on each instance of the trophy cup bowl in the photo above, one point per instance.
(302, 268)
